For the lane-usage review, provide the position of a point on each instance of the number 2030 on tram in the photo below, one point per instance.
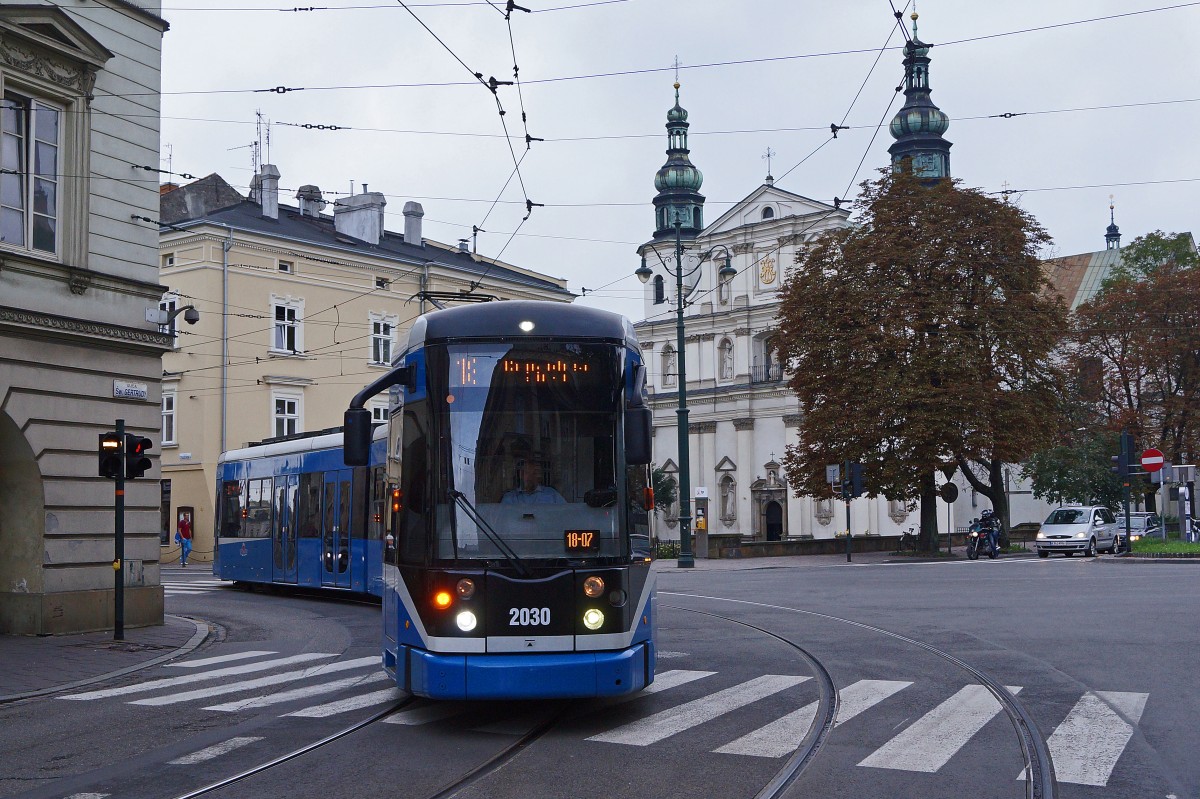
(516, 555)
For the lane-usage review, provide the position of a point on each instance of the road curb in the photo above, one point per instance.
(202, 633)
(1167, 557)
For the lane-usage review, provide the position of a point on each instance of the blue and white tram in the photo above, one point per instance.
(291, 512)
(516, 560)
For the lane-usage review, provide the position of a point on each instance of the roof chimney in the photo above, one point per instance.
(412, 223)
(464, 245)
(360, 216)
(269, 190)
(310, 200)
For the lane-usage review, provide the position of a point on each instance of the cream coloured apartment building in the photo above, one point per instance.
(299, 309)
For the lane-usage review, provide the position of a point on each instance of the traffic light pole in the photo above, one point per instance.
(846, 489)
(119, 545)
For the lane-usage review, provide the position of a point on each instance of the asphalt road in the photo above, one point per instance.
(1099, 654)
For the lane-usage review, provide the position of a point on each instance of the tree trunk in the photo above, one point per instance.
(929, 513)
(993, 489)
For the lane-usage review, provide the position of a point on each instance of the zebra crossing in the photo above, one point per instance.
(1086, 745)
(176, 584)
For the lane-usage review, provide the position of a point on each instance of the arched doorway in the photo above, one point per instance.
(22, 528)
(773, 513)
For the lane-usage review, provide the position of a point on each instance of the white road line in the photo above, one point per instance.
(187, 679)
(1085, 748)
(353, 703)
(864, 694)
(261, 682)
(427, 713)
(781, 737)
(672, 721)
(671, 679)
(934, 738)
(195, 664)
(216, 750)
(88, 796)
(297, 693)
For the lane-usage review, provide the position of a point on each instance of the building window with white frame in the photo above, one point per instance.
(287, 334)
(379, 412)
(383, 333)
(168, 417)
(30, 137)
(168, 304)
(286, 412)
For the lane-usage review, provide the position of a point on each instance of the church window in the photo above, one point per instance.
(660, 292)
(696, 218)
(768, 213)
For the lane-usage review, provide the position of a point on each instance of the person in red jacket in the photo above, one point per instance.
(183, 536)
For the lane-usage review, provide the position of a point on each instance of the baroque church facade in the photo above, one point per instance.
(741, 416)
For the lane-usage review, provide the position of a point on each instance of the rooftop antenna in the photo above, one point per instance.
(170, 158)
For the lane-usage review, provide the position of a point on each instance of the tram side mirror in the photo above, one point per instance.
(637, 397)
(356, 436)
(639, 423)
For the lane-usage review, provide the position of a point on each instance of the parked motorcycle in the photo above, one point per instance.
(983, 536)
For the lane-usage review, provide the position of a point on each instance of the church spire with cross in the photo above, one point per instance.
(678, 181)
(1112, 234)
(918, 126)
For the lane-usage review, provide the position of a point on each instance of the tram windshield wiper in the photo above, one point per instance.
(509, 554)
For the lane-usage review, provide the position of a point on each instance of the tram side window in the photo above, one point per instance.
(359, 528)
(412, 535)
(379, 500)
(257, 513)
(231, 509)
(308, 510)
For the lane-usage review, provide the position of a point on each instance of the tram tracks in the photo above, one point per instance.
(1039, 768)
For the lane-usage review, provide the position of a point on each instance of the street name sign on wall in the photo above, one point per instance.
(123, 389)
(1152, 460)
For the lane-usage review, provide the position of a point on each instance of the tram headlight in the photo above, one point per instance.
(617, 598)
(593, 619)
(441, 600)
(466, 621)
(593, 586)
(465, 588)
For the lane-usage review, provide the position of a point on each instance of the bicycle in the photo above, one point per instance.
(908, 541)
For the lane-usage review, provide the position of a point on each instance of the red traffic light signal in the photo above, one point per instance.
(110, 453)
(136, 461)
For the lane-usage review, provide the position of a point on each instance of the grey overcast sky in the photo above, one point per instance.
(790, 77)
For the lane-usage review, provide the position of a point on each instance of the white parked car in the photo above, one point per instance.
(1078, 528)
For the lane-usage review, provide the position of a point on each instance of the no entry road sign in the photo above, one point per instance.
(1152, 460)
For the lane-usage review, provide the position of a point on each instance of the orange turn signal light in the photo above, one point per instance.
(441, 600)
(648, 499)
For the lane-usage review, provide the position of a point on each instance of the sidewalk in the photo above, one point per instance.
(35, 665)
(817, 561)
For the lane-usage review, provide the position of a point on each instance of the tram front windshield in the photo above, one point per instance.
(528, 462)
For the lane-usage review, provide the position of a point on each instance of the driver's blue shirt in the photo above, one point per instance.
(542, 495)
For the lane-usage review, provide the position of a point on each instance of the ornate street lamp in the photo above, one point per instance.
(727, 272)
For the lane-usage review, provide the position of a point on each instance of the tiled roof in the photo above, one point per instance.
(1077, 278)
(211, 200)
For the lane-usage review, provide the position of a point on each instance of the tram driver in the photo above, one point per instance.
(531, 491)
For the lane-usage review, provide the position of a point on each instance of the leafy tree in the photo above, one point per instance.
(666, 490)
(921, 339)
(1142, 330)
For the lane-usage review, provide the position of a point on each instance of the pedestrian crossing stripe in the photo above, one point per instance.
(1086, 745)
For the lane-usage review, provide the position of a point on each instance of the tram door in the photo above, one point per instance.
(335, 529)
(283, 543)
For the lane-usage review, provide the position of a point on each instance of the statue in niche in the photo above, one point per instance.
(726, 360)
(728, 499)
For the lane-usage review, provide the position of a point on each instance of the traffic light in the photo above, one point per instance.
(110, 454)
(1122, 463)
(136, 460)
(852, 482)
(856, 479)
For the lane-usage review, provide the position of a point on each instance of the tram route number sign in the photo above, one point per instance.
(1152, 460)
(582, 542)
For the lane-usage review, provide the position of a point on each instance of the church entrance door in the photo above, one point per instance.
(774, 519)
